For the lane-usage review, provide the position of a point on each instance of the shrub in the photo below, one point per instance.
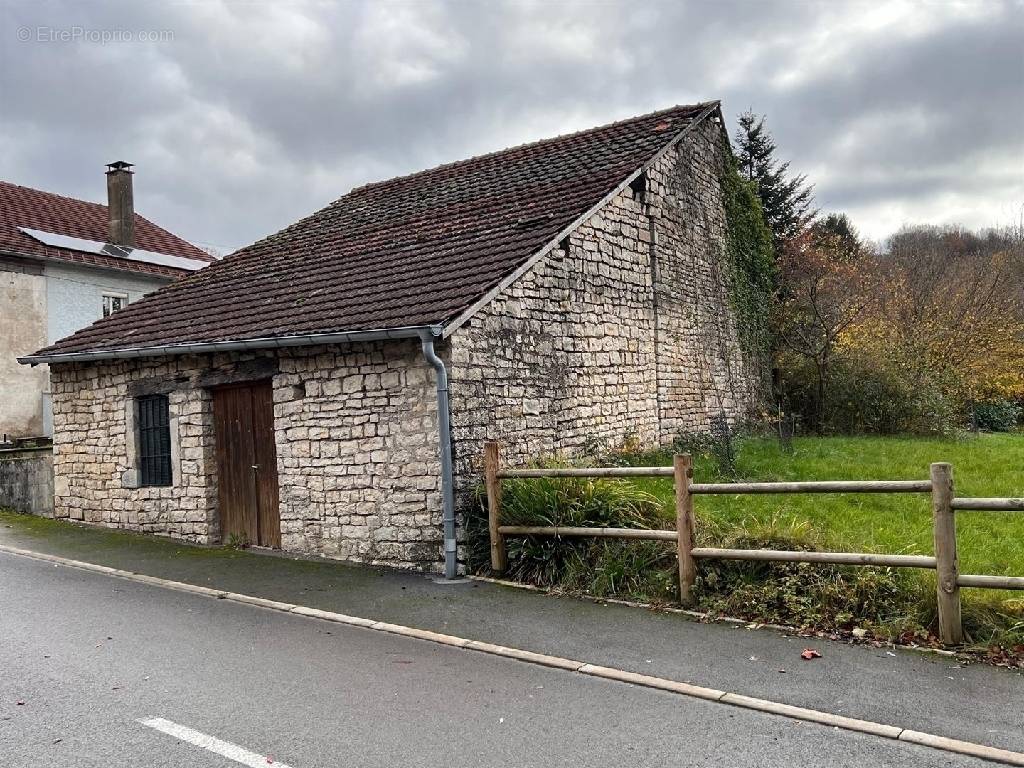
(808, 595)
(812, 595)
(577, 501)
(997, 415)
(865, 398)
(878, 400)
(600, 567)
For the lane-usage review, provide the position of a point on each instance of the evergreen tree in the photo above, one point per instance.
(787, 202)
(837, 234)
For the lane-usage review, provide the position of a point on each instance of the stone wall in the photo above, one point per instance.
(623, 334)
(702, 374)
(26, 479)
(356, 437)
(563, 360)
(93, 445)
(357, 450)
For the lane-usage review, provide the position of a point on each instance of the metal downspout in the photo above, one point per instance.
(445, 444)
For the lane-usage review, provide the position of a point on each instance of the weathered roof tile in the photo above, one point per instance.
(413, 251)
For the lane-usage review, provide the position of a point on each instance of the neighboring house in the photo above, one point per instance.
(328, 389)
(63, 264)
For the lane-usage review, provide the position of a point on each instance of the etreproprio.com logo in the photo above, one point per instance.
(76, 34)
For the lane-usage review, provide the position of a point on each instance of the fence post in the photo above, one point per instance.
(683, 465)
(492, 462)
(947, 566)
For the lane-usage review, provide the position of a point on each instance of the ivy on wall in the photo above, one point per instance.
(750, 258)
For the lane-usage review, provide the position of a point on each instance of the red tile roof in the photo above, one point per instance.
(59, 215)
(410, 252)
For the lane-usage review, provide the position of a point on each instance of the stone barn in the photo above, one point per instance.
(328, 389)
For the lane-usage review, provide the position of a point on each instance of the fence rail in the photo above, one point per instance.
(939, 485)
(509, 474)
(600, 533)
(994, 505)
(818, 486)
(837, 558)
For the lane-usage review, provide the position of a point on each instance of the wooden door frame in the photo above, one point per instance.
(266, 494)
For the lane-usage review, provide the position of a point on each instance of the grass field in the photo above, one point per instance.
(986, 465)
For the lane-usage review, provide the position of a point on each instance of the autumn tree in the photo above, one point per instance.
(906, 340)
(951, 304)
(828, 289)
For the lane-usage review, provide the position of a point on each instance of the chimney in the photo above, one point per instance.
(120, 204)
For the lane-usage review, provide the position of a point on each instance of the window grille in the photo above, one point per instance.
(154, 440)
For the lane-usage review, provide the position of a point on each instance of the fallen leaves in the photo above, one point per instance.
(809, 653)
(1001, 656)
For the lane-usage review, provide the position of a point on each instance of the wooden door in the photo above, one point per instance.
(247, 494)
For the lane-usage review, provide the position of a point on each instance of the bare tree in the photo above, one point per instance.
(827, 291)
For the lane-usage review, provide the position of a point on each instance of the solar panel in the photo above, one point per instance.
(109, 249)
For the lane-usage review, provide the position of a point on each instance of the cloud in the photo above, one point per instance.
(247, 116)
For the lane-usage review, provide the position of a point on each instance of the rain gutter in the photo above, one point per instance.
(444, 438)
(195, 348)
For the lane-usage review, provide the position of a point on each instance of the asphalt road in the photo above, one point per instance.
(84, 658)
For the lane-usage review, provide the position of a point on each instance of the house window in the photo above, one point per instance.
(154, 426)
(113, 302)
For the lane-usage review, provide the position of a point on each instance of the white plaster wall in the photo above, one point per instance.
(22, 331)
(75, 294)
(74, 298)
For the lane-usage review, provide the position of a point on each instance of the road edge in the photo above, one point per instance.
(881, 730)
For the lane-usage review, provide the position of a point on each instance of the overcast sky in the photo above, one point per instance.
(242, 117)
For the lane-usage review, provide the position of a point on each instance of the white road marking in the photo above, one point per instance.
(211, 743)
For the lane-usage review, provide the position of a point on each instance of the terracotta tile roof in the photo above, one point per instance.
(413, 251)
(35, 209)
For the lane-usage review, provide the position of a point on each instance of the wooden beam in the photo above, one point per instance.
(990, 582)
(995, 505)
(600, 533)
(508, 474)
(818, 486)
(946, 589)
(838, 558)
(683, 467)
(492, 463)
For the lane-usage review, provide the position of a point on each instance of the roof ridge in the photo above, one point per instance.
(697, 108)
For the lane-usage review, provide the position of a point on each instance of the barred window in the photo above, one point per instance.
(154, 440)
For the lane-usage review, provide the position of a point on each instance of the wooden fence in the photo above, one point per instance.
(940, 486)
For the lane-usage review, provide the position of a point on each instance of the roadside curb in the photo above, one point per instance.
(881, 730)
(702, 616)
